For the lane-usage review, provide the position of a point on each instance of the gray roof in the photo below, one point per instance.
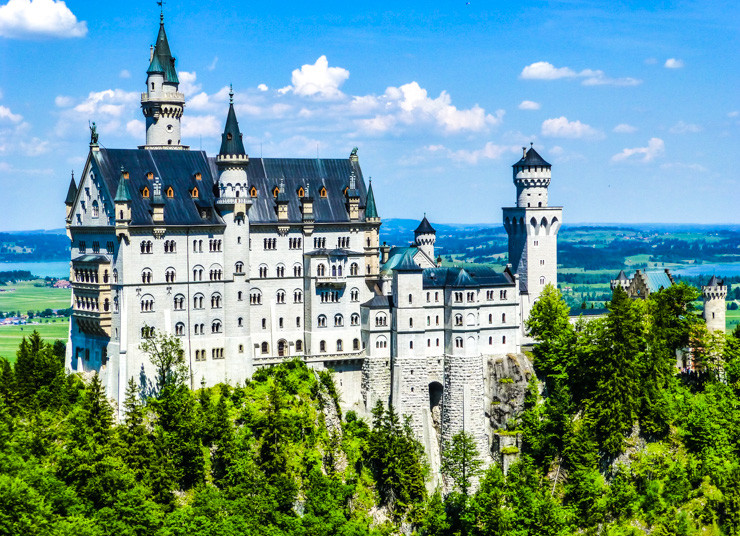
(123, 193)
(231, 139)
(71, 192)
(96, 259)
(471, 276)
(715, 282)
(622, 276)
(425, 227)
(407, 264)
(379, 302)
(531, 158)
(174, 168)
(371, 210)
(338, 252)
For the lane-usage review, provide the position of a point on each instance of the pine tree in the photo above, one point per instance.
(461, 461)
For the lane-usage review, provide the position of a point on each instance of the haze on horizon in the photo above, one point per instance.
(634, 105)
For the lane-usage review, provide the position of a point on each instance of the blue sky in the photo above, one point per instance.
(636, 104)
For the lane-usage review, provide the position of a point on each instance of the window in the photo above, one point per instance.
(429, 321)
(240, 322)
(503, 318)
(253, 192)
(217, 353)
(169, 246)
(239, 296)
(96, 246)
(381, 342)
(269, 243)
(339, 345)
(536, 242)
(170, 192)
(322, 192)
(216, 326)
(198, 273)
(411, 322)
(239, 267)
(265, 348)
(194, 192)
(216, 301)
(321, 321)
(179, 329)
(147, 332)
(146, 276)
(502, 294)
(355, 344)
(503, 339)
(109, 248)
(542, 262)
(255, 297)
(338, 320)
(458, 342)
(458, 297)
(354, 269)
(294, 243)
(471, 296)
(297, 321)
(263, 271)
(280, 270)
(411, 298)
(145, 192)
(146, 246)
(81, 246)
(179, 302)
(354, 295)
(297, 296)
(429, 343)
(241, 348)
(322, 347)
(320, 270)
(169, 275)
(458, 320)
(264, 323)
(319, 242)
(216, 274)
(436, 320)
(147, 304)
(381, 319)
(490, 341)
(299, 345)
(437, 342)
(542, 280)
(280, 296)
(411, 347)
(214, 245)
(297, 270)
(198, 301)
(354, 319)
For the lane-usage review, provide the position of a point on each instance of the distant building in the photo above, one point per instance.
(62, 283)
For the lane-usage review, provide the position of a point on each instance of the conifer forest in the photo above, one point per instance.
(617, 441)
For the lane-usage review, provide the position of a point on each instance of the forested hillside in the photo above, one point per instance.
(615, 443)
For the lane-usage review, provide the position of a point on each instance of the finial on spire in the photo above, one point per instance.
(531, 144)
(231, 94)
(160, 3)
(73, 174)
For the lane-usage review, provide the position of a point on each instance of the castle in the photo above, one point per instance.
(250, 261)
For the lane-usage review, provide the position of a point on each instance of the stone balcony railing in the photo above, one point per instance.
(331, 280)
(174, 98)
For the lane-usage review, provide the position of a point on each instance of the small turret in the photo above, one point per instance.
(715, 295)
(425, 237)
(122, 203)
(532, 177)
(232, 159)
(621, 281)
(157, 202)
(371, 211)
(353, 198)
(71, 196)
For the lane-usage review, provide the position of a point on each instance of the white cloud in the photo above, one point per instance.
(673, 63)
(63, 101)
(194, 126)
(490, 151)
(685, 128)
(262, 87)
(188, 85)
(543, 70)
(109, 102)
(560, 127)
(734, 113)
(529, 105)
(318, 80)
(624, 128)
(39, 18)
(6, 114)
(556, 150)
(124, 73)
(680, 166)
(107, 108)
(212, 66)
(654, 149)
(136, 129)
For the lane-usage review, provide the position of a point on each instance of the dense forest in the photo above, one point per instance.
(616, 441)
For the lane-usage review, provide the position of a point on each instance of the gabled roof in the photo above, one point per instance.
(425, 227)
(379, 301)
(231, 139)
(396, 255)
(471, 276)
(71, 192)
(532, 158)
(715, 282)
(370, 210)
(175, 168)
(407, 264)
(162, 60)
(657, 280)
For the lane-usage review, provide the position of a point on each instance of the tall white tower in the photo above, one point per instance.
(533, 228)
(715, 295)
(162, 104)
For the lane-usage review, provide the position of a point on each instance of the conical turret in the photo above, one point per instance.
(232, 159)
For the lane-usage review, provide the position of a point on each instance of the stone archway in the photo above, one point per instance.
(435, 405)
(282, 348)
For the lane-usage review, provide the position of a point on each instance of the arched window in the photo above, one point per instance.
(255, 297)
(355, 344)
(334, 271)
(354, 295)
(458, 342)
(169, 275)
(280, 270)
(198, 301)
(321, 321)
(299, 345)
(297, 270)
(280, 296)
(338, 320)
(145, 192)
(354, 319)
(239, 267)
(458, 320)
(322, 347)
(322, 192)
(339, 345)
(381, 319)
(170, 192)
(542, 280)
(215, 301)
(194, 193)
(263, 271)
(297, 296)
(301, 192)
(253, 192)
(146, 276)
(216, 326)
(179, 329)
(179, 302)
(320, 270)
(265, 348)
(147, 303)
(95, 209)
(381, 342)
(275, 191)
(354, 269)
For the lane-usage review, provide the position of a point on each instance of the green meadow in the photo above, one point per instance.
(27, 296)
(11, 336)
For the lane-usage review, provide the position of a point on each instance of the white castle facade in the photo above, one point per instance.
(250, 261)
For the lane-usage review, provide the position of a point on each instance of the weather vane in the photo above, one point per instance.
(161, 3)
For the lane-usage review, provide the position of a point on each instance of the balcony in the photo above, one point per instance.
(93, 322)
(334, 281)
(175, 98)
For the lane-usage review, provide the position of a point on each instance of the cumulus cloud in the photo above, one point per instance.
(262, 87)
(685, 128)
(136, 129)
(124, 73)
(560, 127)
(194, 126)
(654, 149)
(624, 128)
(490, 151)
(39, 18)
(410, 104)
(7, 115)
(318, 80)
(673, 63)
(188, 84)
(529, 105)
(107, 108)
(543, 70)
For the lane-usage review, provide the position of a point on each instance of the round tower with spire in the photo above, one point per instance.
(424, 237)
(162, 104)
(715, 295)
(232, 159)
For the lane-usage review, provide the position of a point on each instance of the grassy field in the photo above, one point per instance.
(11, 336)
(27, 297)
(732, 319)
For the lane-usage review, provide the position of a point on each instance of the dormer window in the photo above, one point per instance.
(198, 176)
(346, 189)
(229, 136)
(194, 193)
(322, 193)
(275, 191)
(253, 192)
(170, 192)
(301, 192)
(145, 192)
(150, 176)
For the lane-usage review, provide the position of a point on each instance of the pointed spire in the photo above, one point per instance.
(370, 210)
(231, 139)
(162, 60)
(123, 192)
(71, 191)
(425, 227)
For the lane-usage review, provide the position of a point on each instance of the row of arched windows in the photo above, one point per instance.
(338, 320)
